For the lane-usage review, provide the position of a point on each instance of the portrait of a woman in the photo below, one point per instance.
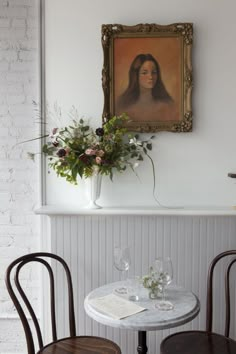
(146, 97)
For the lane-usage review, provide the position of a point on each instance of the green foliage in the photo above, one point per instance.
(77, 150)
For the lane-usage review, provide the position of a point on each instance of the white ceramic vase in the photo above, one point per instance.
(93, 189)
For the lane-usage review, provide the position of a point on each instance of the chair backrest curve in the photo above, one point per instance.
(17, 265)
(209, 310)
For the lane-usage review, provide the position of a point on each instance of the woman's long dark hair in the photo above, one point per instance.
(132, 92)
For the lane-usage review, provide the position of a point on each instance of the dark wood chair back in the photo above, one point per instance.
(44, 259)
(207, 342)
(210, 287)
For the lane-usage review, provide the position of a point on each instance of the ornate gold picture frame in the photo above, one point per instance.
(147, 73)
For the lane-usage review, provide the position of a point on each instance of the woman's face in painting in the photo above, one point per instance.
(147, 75)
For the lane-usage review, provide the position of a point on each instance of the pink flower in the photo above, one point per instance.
(100, 153)
(98, 160)
(90, 152)
(54, 133)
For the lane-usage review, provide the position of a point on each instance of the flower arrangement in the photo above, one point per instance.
(78, 150)
(151, 282)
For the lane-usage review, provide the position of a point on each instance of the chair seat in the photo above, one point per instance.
(82, 345)
(197, 342)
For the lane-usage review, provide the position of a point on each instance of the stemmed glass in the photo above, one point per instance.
(164, 269)
(122, 263)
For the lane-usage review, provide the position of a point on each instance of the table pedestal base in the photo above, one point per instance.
(142, 342)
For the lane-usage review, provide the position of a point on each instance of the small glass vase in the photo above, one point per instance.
(93, 189)
(154, 293)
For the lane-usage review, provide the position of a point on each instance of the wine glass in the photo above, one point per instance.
(164, 269)
(122, 263)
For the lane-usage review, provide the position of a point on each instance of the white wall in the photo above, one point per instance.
(19, 176)
(191, 168)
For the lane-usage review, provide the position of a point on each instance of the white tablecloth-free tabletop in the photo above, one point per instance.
(186, 307)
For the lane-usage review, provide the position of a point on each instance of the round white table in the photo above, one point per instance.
(186, 307)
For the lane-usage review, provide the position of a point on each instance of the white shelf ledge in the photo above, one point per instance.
(206, 210)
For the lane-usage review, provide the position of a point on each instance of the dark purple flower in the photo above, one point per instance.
(107, 162)
(84, 158)
(61, 153)
(99, 131)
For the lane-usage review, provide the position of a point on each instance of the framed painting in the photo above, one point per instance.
(147, 74)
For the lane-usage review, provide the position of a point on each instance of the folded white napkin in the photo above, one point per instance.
(115, 306)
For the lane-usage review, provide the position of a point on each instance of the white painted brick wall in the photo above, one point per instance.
(19, 176)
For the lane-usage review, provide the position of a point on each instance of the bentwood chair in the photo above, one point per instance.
(207, 342)
(70, 345)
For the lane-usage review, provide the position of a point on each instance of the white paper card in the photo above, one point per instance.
(115, 306)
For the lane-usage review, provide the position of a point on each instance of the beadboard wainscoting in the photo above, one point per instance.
(86, 239)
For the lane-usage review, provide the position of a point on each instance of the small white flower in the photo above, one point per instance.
(135, 142)
(135, 165)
